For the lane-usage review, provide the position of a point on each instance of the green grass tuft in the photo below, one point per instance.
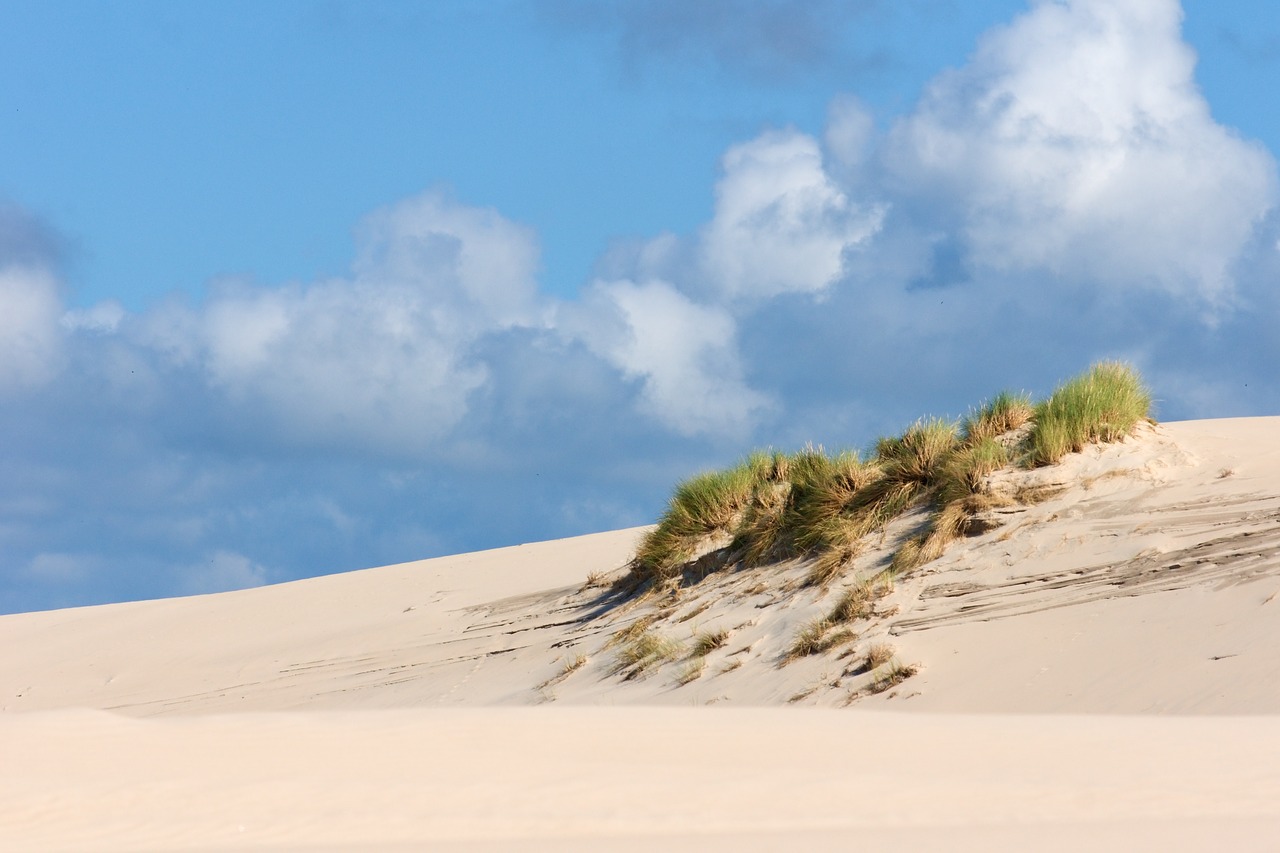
(702, 506)
(858, 601)
(1003, 413)
(918, 454)
(1101, 405)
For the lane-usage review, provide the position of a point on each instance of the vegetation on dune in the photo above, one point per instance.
(1102, 405)
(823, 508)
(708, 641)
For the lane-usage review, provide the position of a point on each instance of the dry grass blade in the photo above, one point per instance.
(708, 641)
(895, 675)
(692, 671)
(646, 651)
(878, 655)
(817, 637)
(569, 669)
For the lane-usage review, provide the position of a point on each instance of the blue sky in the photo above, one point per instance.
(304, 287)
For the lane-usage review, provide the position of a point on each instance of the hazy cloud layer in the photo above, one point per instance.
(30, 334)
(1065, 196)
(764, 40)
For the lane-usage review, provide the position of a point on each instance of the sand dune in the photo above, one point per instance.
(1101, 667)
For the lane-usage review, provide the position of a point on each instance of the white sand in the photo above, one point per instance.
(1101, 671)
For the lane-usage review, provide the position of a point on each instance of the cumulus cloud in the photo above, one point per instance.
(104, 316)
(684, 353)
(382, 355)
(781, 224)
(1075, 143)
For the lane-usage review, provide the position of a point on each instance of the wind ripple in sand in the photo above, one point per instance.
(1250, 551)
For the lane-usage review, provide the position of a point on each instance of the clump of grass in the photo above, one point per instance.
(858, 601)
(895, 675)
(808, 640)
(708, 641)
(830, 561)
(854, 603)
(965, 471)
(919, 453)
(878, 655)
(1002, 414)
(760, 533)
(839, 638)
(905, 470)
(637, 627)
(817, 637)
(822, 499)
(645, 651)
(692, 671)
(702, 506)
(596, 580)
(958, 496)
(1101, 405)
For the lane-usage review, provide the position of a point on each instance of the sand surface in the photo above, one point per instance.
(1099, 670)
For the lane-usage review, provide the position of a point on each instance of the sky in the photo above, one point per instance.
(305, 287)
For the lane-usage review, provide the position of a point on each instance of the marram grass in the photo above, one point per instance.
(1102, 405)
(823, 508)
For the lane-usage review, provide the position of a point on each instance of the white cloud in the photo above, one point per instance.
(476, 267)
(849, 138)
(30, 335)
(222, 571)
(781, 224)
(684, 353)
(105, 316)
(381, 356)
(1076, 143)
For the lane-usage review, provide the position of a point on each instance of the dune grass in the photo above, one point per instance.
(1101, 405)
(878, 655)
(708, 641)
(692, 671)
(1002, 414)
(858, 601)
(823, 508)
(646, 650)
(816, 637)
(895, 674)
(570, 667)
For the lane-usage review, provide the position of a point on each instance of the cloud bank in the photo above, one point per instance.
(1065, 196)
